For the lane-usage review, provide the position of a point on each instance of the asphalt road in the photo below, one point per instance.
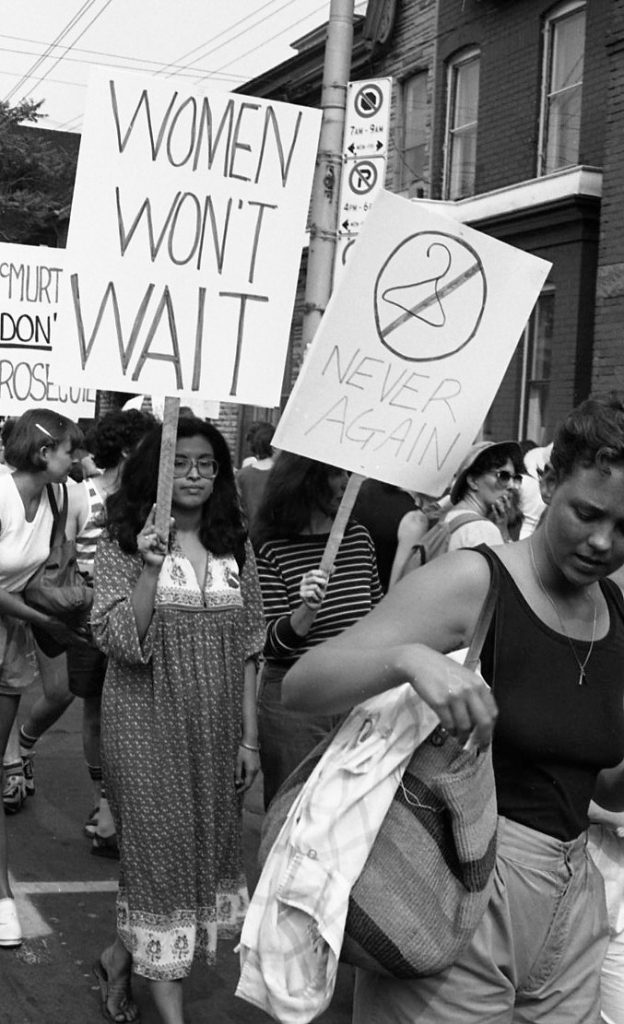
(66, 901)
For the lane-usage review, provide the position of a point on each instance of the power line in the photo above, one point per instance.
(288, 28)
(139, 62)
(61, 35)
(226, 30)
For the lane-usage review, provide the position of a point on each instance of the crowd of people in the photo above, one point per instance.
(221, 649)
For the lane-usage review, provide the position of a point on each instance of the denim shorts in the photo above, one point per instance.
(535, 957)
(285, 736)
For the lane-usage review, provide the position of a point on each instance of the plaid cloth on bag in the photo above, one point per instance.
(293, 932)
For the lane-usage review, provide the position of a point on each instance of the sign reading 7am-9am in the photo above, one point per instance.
(185, 240)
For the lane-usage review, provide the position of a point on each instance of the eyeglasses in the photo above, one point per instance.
(205, 466)
(504, 477)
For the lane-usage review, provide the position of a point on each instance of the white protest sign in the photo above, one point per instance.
(185, 239)
(412, 348)
(32, 371)
(205, 410)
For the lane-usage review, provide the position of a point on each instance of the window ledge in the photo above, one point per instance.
(525, 195)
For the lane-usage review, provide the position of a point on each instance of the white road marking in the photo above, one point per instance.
(34, 926)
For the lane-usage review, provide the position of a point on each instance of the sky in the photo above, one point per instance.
(48, 47)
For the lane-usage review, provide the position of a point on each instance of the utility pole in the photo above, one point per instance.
(326, 187)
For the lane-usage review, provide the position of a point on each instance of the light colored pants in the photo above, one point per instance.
(607, 850)
(534, 959)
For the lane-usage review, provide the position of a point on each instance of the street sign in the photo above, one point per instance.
(367, 126)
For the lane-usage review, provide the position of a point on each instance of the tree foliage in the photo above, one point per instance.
(36, 175)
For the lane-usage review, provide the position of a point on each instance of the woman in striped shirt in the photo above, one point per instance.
(302, 606)
(110, 441)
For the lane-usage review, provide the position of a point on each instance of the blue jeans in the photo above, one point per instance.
(285, 736)
(535, 957)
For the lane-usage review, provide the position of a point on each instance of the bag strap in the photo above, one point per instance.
(59, 516)
(458, 521)
(485, 617)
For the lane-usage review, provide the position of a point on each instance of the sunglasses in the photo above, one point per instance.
(504, 477)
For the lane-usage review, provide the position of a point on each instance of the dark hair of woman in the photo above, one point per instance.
(221, 531)
(295, 486)
(261, 441)
(115, 433)
(590, 435)
(36, 429)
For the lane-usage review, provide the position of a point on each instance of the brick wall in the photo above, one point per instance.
(608, 361)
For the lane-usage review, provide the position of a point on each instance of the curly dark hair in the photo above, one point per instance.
(591, 435)
(115, 433)
(221, 530)
(295, 486)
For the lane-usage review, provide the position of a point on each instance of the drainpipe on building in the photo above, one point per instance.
(326, 186)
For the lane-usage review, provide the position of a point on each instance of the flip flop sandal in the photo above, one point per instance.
(90, 826)
(127, 1012)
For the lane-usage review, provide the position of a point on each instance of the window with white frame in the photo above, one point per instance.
(562, 87)
(461, 126)
(537, 344)
(413, 170)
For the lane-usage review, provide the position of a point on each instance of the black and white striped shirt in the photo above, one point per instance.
(352, 591)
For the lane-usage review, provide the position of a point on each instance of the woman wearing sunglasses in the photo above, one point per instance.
(182, 625)
(485, 484)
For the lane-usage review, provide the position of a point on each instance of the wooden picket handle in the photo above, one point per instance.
(165, 467)
(339, 524)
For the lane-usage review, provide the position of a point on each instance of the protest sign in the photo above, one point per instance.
(32, 347)
(412, 348)
(185, 239)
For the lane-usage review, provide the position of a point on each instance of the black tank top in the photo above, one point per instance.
(552, 736)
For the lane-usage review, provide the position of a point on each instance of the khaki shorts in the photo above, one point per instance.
(534, 959)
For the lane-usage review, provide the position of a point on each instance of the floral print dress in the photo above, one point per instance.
(171, 726)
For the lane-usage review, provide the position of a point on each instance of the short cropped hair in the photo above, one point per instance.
(591, 435)
(117, 432)
(261, 440)
(36, 429)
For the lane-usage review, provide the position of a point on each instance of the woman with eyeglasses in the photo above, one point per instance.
(182, 625)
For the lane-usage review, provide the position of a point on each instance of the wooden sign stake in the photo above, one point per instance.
(165, 467)
(340, 522)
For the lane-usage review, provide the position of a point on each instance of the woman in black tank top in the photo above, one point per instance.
(555, 659)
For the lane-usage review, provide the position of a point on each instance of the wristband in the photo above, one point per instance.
(247, 746)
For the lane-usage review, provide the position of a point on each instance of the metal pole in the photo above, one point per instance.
(326, 188)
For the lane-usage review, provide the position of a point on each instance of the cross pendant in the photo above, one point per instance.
(581, 678)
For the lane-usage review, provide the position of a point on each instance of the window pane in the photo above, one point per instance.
(563, 87)
(568, 51)
(414, 130)
(461, 139)
(466, 94)
(462, 163)
(564, 129)
(540, 330)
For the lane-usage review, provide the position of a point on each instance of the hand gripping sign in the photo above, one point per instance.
(412, 348)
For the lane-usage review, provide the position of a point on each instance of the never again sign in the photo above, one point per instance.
(185, 239)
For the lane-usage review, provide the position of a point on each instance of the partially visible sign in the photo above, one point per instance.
(32, 347)
(367, 126)
(412, 347)
(185, 239)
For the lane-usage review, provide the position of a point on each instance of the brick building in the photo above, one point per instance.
(512, 111)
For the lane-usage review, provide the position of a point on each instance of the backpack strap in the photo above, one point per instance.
(467, 517)
(59, 516)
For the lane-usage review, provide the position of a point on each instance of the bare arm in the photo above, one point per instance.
(248, 760)
(609, 792)
(430, 613)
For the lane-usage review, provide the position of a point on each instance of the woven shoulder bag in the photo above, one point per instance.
(426, 883)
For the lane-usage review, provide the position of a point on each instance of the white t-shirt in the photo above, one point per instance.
(481, 531)
(23, 546)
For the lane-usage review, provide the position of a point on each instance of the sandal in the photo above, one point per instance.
(105, 846)
(119, 991)
(90, 826)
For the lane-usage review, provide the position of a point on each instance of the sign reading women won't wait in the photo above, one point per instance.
(185, 239)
